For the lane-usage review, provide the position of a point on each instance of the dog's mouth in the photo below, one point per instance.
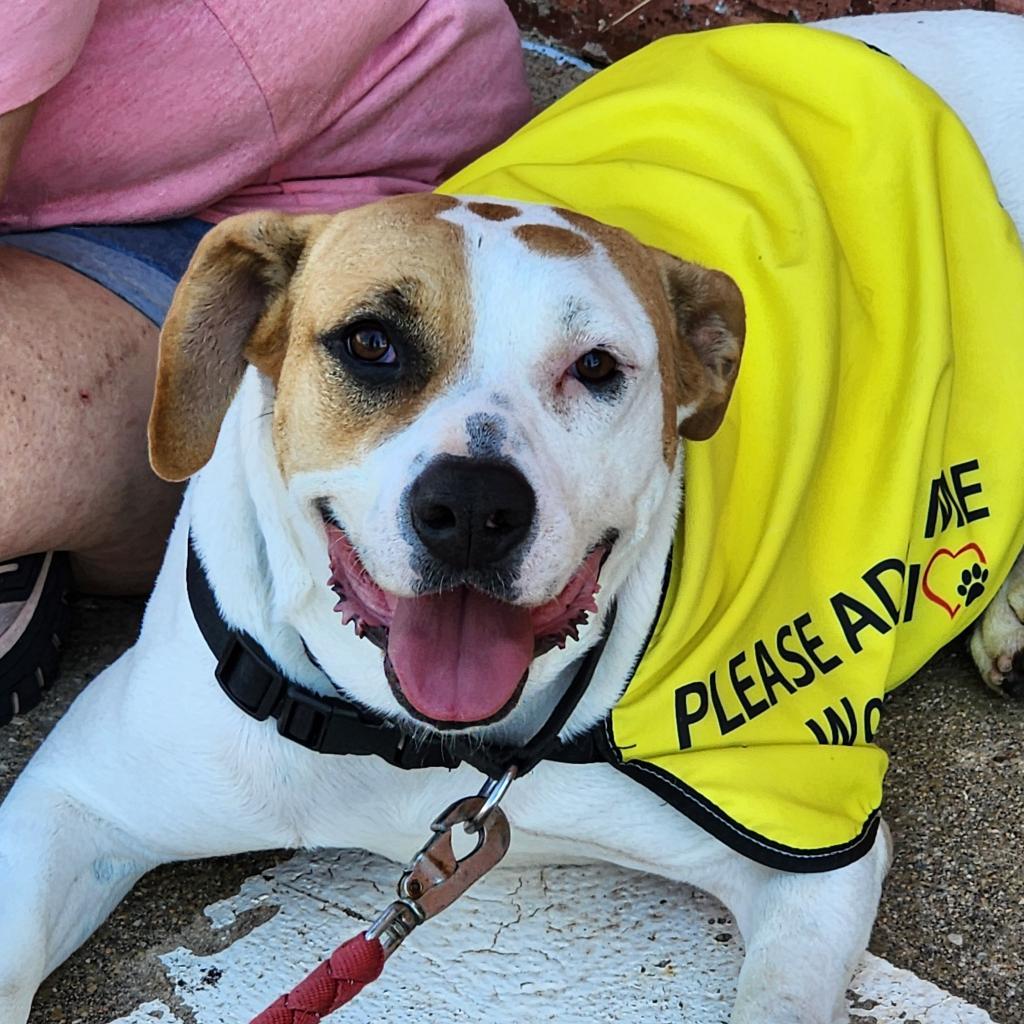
(458, 657)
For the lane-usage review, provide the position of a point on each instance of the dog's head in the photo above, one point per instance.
(477, 402)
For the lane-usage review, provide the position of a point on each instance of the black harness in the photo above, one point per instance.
(333, 725)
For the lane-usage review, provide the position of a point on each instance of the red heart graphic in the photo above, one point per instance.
(938, 598)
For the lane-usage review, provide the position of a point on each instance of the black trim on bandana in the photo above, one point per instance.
(703, 813)
(333, 725)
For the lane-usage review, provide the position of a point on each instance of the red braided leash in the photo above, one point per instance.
(337, 980)
(433, 881)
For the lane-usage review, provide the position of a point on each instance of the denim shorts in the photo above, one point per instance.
(142, 263)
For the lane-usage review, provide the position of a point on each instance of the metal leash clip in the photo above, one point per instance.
(436, 877)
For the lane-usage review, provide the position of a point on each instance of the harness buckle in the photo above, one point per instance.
(250, 684)
(302, 718)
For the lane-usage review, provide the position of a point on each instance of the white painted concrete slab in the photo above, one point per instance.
(568, 944)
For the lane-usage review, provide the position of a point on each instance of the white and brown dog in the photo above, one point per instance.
(269, 396)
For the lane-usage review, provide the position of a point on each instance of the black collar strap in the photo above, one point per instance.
(332, 725)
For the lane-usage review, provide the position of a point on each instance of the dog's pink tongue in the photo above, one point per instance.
(459, 656)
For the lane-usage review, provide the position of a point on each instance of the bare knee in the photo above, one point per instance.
(77, 367)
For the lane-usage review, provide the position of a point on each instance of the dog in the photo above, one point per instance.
(374, 400)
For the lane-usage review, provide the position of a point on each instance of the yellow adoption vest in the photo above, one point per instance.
(865, 495)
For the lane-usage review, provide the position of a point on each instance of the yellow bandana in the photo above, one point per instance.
(864, 497)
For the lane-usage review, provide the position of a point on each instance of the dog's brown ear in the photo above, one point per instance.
(230, 308)
(710, 327)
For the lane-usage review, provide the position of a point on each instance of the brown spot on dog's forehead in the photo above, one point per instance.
(366, 262)
(551, 240)
(443, 202)
(494, 211)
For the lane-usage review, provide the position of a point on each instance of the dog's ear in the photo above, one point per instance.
(710, 326)
(231, 307)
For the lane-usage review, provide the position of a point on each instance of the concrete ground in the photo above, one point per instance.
(953, 909)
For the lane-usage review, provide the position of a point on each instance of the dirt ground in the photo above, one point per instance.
(604, 30)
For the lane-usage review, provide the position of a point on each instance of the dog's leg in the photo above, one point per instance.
(804, 935)
(62, 871)
(997, 642)
(125, 781)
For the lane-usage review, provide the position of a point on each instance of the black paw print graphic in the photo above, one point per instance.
(972, 584)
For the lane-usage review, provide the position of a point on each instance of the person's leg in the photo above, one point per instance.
(76, 377)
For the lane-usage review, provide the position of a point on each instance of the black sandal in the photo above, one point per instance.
(34, 618)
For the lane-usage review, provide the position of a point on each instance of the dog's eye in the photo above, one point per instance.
(369, 343)
(595, 367)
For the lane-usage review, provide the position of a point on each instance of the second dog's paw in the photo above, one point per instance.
(997, 646)
(1005, 674)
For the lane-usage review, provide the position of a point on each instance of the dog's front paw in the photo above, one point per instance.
(997, 643)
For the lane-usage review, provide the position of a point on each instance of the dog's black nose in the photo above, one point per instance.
(471, 513)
